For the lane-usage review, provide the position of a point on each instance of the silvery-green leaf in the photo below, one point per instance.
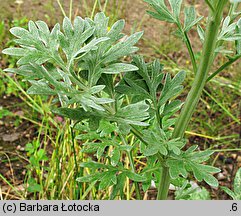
(115, 157)
(97, 89)
(238, 42)
(43, 27)
(116, 29)
(204, 172)
(100, 151)
(90, 178)
(152, 150)
(176, 7)
(101, 24)
(106, 128)
(118, 67)
(190, 18)
(14, 51)
(40, 88)
(162, 13)
(105, 181)
(226, 23)
(221, 49)
(102, 100)
(122, 48)
(68, 28)
(135, 176)
(234, 37)
(33, 29)
(211, 180)
(227, 32)
(201, 33)
(172, 87)
(93, 165)
(19, 32)
(176, 168)
(34, 56)
(79, 40)
(133, 114)
(90, 46)
(229, 192)
(237, 183)
(79, 25)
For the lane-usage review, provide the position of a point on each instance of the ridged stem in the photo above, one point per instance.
(164, 184)
(193, 97)
(202, 72)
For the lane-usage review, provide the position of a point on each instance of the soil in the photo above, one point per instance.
(13, 139)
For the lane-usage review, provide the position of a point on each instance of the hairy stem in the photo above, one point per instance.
(193, 97)
(164, 184)
(189, 47)
(190, 51)
(227, 64)
(202, 72)
(209, 4)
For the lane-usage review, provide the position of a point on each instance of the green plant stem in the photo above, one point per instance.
(189, 46)
(209, 5)
(193, 97)
(232, 12)
(137, 187)
(164, 184)
(11, 186)
(227, 64)
(130, 157)
(70, 9)
(105, 5)
(93, 9)
(61, 8)
(75, 160)
(202, 72)
(157, 108)
(190, 51)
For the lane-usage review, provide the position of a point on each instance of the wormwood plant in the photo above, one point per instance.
(125, 111)
(216, 38)
(236, 193)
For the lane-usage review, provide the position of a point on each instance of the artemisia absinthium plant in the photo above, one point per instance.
(123, 109)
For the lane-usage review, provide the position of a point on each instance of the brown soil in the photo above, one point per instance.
(13, 138)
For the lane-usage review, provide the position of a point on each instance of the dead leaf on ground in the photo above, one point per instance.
(10, 137)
